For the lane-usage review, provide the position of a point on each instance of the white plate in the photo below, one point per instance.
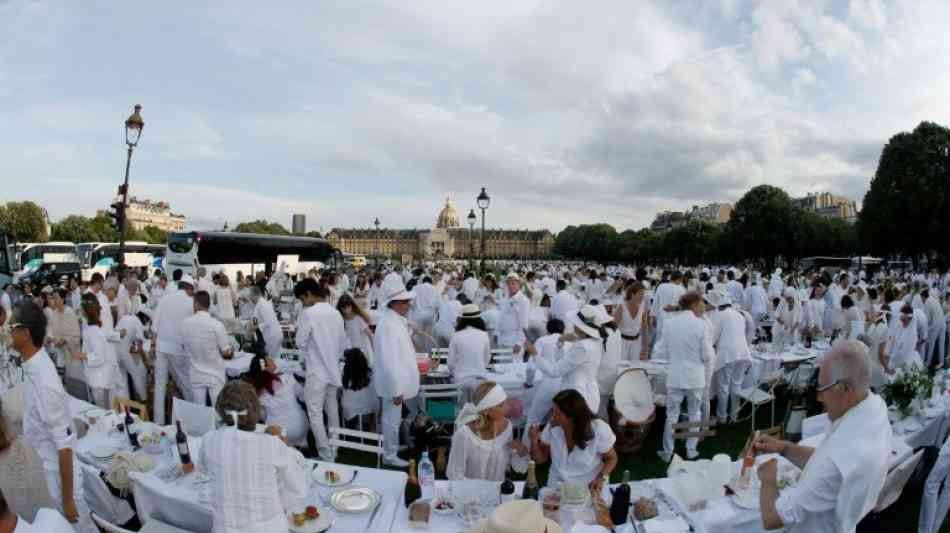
(103, 452)
(96, 413)
(354, 501)
(746, 499)
(346, 475)
(322, 523)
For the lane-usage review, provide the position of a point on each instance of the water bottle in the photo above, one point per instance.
(426, 477)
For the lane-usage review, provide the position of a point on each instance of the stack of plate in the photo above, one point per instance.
(355, 500)
(103, 453)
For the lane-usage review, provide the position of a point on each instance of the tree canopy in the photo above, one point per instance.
(24, 221)
(261, 226)
(77, 228)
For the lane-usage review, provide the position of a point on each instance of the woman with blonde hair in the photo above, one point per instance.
(634, 323)
(101, 366)
(356, 324)
(483, 446)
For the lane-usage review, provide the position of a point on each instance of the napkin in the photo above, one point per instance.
(669, 525)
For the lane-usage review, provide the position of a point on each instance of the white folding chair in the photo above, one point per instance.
(337, 441)
(756, 396)
(442, 354)
(152, 504)
(100, 500)
(196, 420)
(895, 481)
(502, 355)
(445, 392)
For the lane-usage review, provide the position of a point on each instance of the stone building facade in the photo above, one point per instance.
(141, 213)
(446, 240)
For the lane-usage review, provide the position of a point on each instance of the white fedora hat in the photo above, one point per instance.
(519, 516)
(395, 291)
(586, 320)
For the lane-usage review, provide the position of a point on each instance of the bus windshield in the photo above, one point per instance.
(253, 251)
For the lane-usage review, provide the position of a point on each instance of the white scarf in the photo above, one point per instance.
(859, 445)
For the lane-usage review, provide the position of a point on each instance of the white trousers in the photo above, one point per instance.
(674, 401)
(391, 419)
(135, 367)
(728, 384)
(85, 523)
(100, 397)
(273, 345)
(320, 397)
(180, 367)
(203, 391)
(935, 502)
(935, 343)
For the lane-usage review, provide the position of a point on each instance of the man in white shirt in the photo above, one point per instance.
(734, 288)
(564, 304)
(128, 301)
(843, 476)
(131, 330)
(513, 315)
(936, 337)
(422, 315)
(105, 305)
(322, 338)
(207, 345)
(685, 343)
(396, 375)
(203, 281)
(46, 417)
(265, 318)
(168, 344)
(45, 521)
(665, 299)
(733, 357)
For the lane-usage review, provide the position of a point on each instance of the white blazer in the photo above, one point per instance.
(685, 343)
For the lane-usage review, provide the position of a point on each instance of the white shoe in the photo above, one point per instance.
(692, 455)
(395, 462)
(663, 456)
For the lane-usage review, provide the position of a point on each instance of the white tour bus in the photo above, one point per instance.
(29, 257)
(101, 256)
(249, 253)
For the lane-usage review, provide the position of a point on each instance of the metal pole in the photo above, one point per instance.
(483, 243)
(125, 198)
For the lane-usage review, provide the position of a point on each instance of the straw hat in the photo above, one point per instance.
(519, 516)
(513, 276)
(586, 321)
(471, 311)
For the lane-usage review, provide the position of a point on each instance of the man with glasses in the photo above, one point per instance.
(843, 476)
(46, 417)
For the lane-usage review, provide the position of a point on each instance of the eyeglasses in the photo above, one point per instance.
(829, 386)
(17, 325)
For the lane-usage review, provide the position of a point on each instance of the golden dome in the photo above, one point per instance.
(448, 217)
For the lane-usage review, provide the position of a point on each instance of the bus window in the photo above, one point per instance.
(181, 243)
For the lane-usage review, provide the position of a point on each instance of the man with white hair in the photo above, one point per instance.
(842, 477)
(128, 301)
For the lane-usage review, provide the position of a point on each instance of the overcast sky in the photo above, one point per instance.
(567, 111)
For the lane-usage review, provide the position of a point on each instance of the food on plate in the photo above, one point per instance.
(299, 519)
(311, 512)
(331, 476)
(644, 509)
(552, 501)
(444, 505)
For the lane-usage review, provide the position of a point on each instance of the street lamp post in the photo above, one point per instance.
(483, 202)
(376, 247)
(133, 131)
(471, 232)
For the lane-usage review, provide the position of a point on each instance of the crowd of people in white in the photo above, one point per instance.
(359, 333)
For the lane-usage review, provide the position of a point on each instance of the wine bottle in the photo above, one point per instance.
(531, 489)
(620, 506)
(182, 441)
(133, 438)
(413, 491)
(507, 489)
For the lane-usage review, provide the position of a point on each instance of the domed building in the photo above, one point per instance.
(446, 240)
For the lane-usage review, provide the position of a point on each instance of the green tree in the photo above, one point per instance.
(314, 234)
(590, 242)
(24, 221)
(151, 235)
(695, 242)
(261, 226)
(906, 205)
(761, 225)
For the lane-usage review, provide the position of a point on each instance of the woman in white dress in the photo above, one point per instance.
(356, 324)
(788, 316)
(579, 446)
(902, 344)
(359, 396)
(101, 366)
(224, 299)
(280, 398)
(538, 319)
(469, 351)
(814, 311)
(633, 323)
(875, 336)
(578, 368)
(361, 292)
(546, 385)
(854, 318)
(483, 446)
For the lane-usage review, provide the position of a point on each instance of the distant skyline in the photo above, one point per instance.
(567, 112)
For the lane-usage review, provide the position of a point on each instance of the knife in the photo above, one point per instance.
(376, 510)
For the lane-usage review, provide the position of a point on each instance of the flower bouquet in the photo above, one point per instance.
(908, 386)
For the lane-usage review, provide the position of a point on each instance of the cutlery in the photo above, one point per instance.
(376, 510)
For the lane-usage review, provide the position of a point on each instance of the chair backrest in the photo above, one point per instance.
(107, 527)
(337, 441)
(100, 500)
(153, 504)
(689, 430)
(440, 391)
(895, 481)
(196, 420)
(119, 404)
